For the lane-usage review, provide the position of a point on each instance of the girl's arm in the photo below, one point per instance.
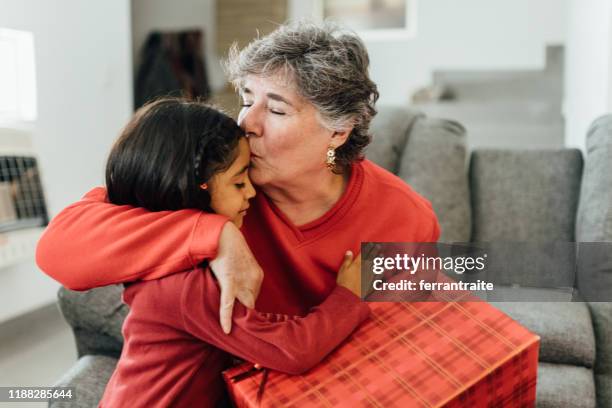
(94, 243)
(290, 344)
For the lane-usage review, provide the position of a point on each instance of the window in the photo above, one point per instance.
(22, 204)
(17, 77)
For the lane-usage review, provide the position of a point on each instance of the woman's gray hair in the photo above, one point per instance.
(329, 66)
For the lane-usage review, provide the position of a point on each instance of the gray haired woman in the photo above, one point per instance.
(307, 104)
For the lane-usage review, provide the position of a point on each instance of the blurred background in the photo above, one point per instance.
(517, 73)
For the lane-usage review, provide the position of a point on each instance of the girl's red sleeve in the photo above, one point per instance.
(94, 243)
(291, 344)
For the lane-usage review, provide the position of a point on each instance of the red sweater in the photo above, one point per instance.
(121, 243)
(172, 349)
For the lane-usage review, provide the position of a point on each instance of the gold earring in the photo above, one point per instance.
(330, 162)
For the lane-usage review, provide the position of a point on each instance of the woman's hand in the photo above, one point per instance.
(349, 274)
(238, 273)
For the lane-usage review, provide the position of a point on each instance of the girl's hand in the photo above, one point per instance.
(349, 274)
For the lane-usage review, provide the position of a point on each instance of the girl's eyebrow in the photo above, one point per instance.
(245, 168)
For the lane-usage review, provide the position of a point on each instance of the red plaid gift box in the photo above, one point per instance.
(429, 354)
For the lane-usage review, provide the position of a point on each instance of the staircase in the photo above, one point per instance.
(505, 109)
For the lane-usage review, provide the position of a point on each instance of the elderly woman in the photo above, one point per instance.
(307, 105)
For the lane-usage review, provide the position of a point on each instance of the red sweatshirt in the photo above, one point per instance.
(172, 349)
(94, 243)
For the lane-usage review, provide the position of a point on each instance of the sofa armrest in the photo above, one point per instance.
(601, 313)
(88, 377)
(594, 224)
(96, 317)
(594, 218)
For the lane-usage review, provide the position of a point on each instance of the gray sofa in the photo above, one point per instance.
(500, 196)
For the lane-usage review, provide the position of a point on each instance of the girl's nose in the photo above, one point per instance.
(249, 189)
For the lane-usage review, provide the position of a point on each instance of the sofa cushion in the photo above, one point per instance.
(89, 377)
(565, 386)
(565, 329)
(526, 195)
(389, 130)
(544, 267)
(434, 164)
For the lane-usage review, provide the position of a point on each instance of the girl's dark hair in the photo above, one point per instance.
(166, 151)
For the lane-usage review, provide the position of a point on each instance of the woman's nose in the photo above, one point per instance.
(249, 120)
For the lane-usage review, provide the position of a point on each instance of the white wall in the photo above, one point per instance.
(588, 82)
(83, 72)
(466, 34)
(151, 15)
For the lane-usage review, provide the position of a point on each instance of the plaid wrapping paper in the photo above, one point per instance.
(428, 354)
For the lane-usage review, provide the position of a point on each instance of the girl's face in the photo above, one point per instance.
(231, 190)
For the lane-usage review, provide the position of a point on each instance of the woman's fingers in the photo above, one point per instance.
(348, 259)
(225, 309)
(247, 298)
(349, 273)
(238, 273)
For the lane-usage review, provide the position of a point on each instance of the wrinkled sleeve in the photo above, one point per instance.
(95, 243)
(290, 344)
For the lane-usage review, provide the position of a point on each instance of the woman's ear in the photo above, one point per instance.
(339, 137)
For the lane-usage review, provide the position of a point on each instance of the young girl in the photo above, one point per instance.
(173, 155)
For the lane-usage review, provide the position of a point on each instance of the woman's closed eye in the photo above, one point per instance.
(277, 111)
(240, 185)
(273, 109)
(276, 108)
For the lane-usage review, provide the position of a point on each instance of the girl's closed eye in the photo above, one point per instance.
(230, 189)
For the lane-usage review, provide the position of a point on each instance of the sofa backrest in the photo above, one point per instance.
(525, 195)
(430, 155)
(389, 130)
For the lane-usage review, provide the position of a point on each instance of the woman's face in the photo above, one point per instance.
(231, 190)
(286, 137)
